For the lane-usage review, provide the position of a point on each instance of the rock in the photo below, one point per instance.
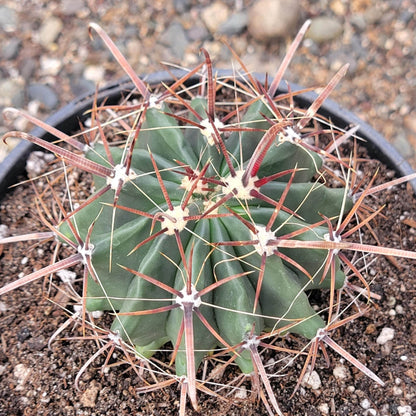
(235, 24)
(198, 32)
(21, 373)
(215, 15)
(50, 66)
(324, 29)
(176, 39)
(44, 94)
(271, 19)
(405, 410)
(37, 161)
(11, 92)
(80, 86)
(311, 380)
(402, 144)
(49, 31)
(181, 6)
(72, 7)
(11, 48)
(89, 396)
(8, 19)
(387, 334)
(341, 372)
(94, 73)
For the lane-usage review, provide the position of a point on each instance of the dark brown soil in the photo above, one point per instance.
(36, 380)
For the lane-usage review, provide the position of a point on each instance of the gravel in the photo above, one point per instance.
(46, 44)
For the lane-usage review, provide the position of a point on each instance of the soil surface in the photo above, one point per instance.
(37, 380)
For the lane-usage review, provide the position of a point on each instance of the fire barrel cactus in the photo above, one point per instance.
(210, 222)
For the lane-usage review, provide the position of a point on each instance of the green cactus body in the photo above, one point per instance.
(155, 189)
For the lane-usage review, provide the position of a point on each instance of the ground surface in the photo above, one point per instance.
(36, 380)
(46, 57)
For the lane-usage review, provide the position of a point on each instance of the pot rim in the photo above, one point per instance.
(68, 117)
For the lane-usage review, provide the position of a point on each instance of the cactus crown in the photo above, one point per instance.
(210, 222)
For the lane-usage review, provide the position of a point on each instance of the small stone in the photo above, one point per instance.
(89, 397)
(365, 404)
(3, 307)
(72, 7)
(181, 6)
(11, 48)
(9, 90)
(21, 373)
(401, 143)
(215, 15)
(80, 86)
(341, 372)
(23, 334)
(241, 393)
(234, 25)
(198, 32)
(324, 28)
(311, 380)
(175, 38)
(37, 161)
(94, 73)
(266, 22)
(405, 410)
(8, 19)
(37, 343)
(44, 94)
(50, 66)
(324, 408)
(4, 231)
(387, 334)
(49, 31)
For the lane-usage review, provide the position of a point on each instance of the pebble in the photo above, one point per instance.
(175, 38)
(215, 15)
(67, 276)
(37, 161)
(21, 372)
(11, 48)
(387, 334)
(198, 32)
(50, 66)
(181, 6)
(265, 20)
(81, 86)
(365, 404)
(89, 396)
(8, 19)
(324, 408)
(311, 380)
(44, 94)
(340, 372)
(94, 73)
(235, 24)
(49, 31)
(405, 410)
(401, 143)
(71, 7)
(11, 91)
(4, 230)
(324, 29)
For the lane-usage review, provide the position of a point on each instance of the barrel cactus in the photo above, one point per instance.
(210, 222)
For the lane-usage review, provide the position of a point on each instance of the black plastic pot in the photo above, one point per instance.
(68, 118)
